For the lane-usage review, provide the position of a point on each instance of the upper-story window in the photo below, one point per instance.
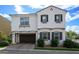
(24, 21)
(58, 18)
(44, 18)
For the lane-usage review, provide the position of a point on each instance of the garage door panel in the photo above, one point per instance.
(27, 38)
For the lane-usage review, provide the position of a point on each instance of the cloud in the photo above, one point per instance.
(75, 13)
(70, 7)
(70, 18)
(64, 6)
(74, 28)
(6, 16)
(19, 9)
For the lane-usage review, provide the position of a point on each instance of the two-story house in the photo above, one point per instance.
(47, 24)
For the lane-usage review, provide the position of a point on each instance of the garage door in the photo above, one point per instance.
(27, 38)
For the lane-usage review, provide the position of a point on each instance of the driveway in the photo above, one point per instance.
(20, 47)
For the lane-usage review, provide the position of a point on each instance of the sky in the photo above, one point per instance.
(72, 16)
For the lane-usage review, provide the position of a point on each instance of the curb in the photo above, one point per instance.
(2, 48)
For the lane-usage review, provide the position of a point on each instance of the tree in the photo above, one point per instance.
(71, 35)
(2, 35)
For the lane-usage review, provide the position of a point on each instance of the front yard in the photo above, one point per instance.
(57, 48)
(2, 46)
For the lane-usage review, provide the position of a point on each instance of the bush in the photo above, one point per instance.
(8, 39)
(40, 43)
(77, 37)
(70, 44)
(4, 43)
(54, 42)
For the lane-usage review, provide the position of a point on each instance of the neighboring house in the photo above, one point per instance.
(5, 26)
(47, 24)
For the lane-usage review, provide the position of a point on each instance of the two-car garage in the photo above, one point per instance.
(27, 38)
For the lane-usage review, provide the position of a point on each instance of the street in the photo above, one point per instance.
(32, 51)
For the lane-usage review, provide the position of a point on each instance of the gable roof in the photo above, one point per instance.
(39, 11)
(51, 6)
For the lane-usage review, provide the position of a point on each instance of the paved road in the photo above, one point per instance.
(29, 49)
(37, 52)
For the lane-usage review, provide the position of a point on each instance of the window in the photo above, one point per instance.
(44, 18)
(57, 35)
(58, 18)
(45, 35)
(24, 21)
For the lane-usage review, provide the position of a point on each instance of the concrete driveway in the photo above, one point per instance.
(20, 47)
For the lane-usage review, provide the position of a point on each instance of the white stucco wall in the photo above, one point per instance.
(51, 19)
(16, 23)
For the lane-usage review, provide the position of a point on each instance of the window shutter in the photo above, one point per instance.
(47, 17)
(48, 35)
(52, 35)
(61, 18)
(55, 18)
(60, 35)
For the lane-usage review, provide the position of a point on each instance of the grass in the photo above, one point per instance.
(57, 48)
(2, 46)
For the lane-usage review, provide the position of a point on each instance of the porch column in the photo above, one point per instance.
(13, 38)
(17, 38)
(64, 36)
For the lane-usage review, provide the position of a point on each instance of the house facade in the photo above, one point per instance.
(47, 24)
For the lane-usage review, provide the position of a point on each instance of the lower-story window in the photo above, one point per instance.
(57, 35)
(45, 35)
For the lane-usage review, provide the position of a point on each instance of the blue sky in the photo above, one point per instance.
(72, 18)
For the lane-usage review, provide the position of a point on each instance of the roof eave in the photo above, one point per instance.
(52, 6)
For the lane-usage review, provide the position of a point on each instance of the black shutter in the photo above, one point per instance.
(47, 17)
(61, 18)
(52, 35)
(48, 35)
(55, 18)
(60, 35)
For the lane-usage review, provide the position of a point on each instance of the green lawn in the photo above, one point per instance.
(58, 48)
(2, 46)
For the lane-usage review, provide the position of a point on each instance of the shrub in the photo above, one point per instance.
(8, 39)
(4, 43)
(40, 43)
(76, 45)
(70, 44)
(77, 37)
(54, 42)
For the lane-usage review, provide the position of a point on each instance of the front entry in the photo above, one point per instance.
(27, 38)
